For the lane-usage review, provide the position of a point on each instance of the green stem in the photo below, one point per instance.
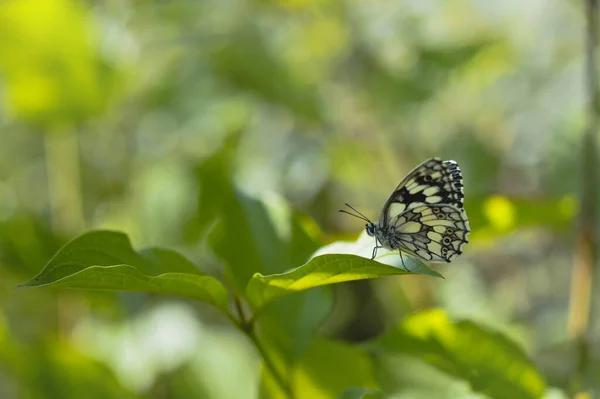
(247, 327)
(584, 264)
(270, 365)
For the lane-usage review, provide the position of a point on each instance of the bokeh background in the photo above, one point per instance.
(110, 111)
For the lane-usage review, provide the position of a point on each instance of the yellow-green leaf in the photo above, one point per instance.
(324, 270)
(488, 360)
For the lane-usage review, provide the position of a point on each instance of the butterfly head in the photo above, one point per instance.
(371, 227)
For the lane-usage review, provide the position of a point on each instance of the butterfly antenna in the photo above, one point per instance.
(356, 216)
(362, 216)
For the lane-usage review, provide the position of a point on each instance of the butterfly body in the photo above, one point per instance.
(384, 235)
(424, 216)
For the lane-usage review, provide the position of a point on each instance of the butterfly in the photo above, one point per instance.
(424, 216)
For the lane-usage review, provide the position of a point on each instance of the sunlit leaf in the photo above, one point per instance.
(105, 260)
(489, 361)
(495, 216)
(324, 270)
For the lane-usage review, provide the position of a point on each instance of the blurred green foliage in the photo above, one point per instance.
(222, 136)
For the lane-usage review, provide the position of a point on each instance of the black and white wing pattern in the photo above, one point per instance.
(434, 233)
(432, 182)
(425, 212)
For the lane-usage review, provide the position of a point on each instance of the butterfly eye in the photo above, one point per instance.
(449, 231)
(446, 240)
(441, 216)
(436, 210)
(427, 178)
(370, 229)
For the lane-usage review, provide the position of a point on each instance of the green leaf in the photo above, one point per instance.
(324, 270)
(105, 260)
(127, 278)
(361, 393)
(489, 361)
(163, 259)
(246, 63)
(423, 381)
(325, 371)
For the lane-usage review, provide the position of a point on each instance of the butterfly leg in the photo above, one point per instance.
(402, 259)
(375, 251)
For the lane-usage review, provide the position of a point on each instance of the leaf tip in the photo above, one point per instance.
(36, 281)
(26, 284)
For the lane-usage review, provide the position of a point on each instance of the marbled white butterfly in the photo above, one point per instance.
(424, 216)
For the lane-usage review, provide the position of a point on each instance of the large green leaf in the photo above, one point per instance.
(489, 361)
(105, 260)
(324, 270)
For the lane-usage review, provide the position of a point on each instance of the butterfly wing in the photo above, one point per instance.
(425, 212)
(432, 182)
(434, 233)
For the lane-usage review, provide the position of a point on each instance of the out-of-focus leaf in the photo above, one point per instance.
(324, 270)
(62, 372)
(59, 370)
(49, 61)
(489, 361)
(389, 90)
(246, 63)
(361, 393)
(495, 216)
(325, 371)
(405, 376)
(105, 260)
(290, 324)
(26, 243)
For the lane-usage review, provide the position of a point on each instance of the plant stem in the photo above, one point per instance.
(270, 365)
(585, 256)
(247, 327)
